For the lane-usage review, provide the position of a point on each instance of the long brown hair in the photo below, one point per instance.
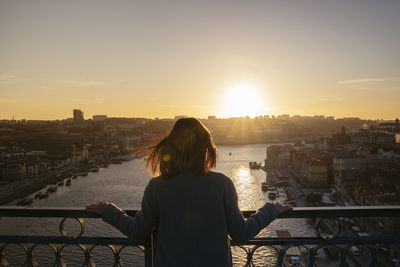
(187, 147)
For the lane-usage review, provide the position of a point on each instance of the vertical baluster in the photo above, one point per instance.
(281, 255)
(30, 259)
(3, 260)
(311, 257)
(59, 259)
(117, 257)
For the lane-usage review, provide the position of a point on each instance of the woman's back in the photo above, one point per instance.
(192, 225)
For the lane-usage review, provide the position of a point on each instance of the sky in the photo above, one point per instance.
(199, 58)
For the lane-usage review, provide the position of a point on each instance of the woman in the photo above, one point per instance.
(192, 208)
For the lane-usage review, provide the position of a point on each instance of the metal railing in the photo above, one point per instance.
(331, 238)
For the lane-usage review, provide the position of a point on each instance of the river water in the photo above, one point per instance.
(124, 185)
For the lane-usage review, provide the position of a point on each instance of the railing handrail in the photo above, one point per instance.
(297, 212)
(86, 240)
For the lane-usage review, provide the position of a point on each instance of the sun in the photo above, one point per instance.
(242, 100)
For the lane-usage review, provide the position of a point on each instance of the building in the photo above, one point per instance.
(384, 138)
(78, 115)
(384, 154)
(360, 138)
(99, 117)
(377, 137)
(316, 174)
(11, 172)
(390, 126)
(283, 117)
(349, 163)
(278, 156)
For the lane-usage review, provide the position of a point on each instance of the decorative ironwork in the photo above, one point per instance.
(329, 230)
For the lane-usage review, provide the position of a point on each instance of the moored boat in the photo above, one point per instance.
(104, 165)
(41, 195)
(25, 202)
(272, 193)
(264, 186)
(44, 195)
(52, 189)
(94, 169)
(254, 165)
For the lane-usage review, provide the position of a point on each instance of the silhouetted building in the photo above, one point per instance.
(78, 115)
(390, 126)
(99, 117)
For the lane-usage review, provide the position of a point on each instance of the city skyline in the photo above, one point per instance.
(102, 116)
(152, 59)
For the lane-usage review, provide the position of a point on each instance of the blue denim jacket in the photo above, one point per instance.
(193, 216)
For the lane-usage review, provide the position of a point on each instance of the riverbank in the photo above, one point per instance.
(28, 186)
(24, 188)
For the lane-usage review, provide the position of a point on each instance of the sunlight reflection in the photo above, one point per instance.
(245, 186)
(243, 173)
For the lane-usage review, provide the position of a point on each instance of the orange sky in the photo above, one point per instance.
(150, 59)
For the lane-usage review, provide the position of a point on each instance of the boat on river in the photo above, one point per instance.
(264, 186)
(25, 202)
(94, 169)
(41, 195)
(272, 193)
(254, 165)
(52, 189)
(44, 195)
(105, 165)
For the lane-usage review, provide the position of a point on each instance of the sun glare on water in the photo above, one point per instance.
(242, 100)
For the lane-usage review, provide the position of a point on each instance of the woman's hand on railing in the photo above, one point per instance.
(285, 208)
(282, 208)
(96, 208)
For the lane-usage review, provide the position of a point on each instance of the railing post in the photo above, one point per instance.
(59, 260)
(3, 260)
(30, 257)
(280, 257)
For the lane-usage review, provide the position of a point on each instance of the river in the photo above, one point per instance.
(124, 184)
